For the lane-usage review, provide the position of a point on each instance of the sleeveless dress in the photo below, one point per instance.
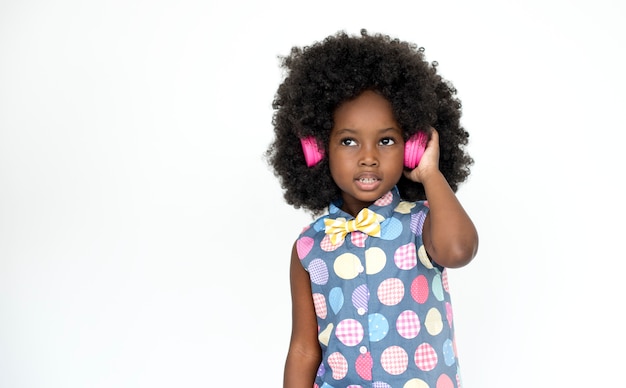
(383, 307)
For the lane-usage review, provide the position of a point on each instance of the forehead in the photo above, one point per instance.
(367, 110)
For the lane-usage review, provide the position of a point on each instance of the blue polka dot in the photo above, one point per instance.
(319, 224)
(437, 287)
(390, 229)
(379, 327)
(335, 299)
(448, 352)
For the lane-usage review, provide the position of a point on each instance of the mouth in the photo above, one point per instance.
(368, 180)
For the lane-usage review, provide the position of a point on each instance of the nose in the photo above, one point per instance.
(369, 155)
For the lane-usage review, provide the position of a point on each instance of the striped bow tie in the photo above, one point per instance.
(366, 221)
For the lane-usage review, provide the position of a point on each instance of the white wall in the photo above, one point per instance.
(131, 142)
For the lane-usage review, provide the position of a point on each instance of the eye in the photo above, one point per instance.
(348, 142)
(387, 141)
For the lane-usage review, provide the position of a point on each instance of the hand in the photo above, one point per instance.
(429, 162)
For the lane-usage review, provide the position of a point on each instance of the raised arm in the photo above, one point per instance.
(449, 235)
(304, 356)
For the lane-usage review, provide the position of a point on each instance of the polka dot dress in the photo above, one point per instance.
(383, 308)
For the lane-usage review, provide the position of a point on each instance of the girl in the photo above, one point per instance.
(370, 301)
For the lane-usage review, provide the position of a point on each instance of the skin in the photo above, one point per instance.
(366, 153)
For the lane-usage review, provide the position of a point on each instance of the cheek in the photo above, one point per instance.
(396, 165)
(337, 163)
(336, 171)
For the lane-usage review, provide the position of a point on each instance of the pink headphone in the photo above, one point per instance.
(413, 150)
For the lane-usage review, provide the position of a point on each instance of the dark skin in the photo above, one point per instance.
(366, 151)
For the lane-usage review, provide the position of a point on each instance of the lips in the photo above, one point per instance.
(367, 181)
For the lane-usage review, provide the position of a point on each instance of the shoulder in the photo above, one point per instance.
(314, 228)
(411, 214)
(410, 209)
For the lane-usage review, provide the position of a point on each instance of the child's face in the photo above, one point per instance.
(366, 150)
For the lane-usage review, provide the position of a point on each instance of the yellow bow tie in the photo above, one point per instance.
(366, 221)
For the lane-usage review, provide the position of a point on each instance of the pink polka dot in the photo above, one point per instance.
(358, 239)
(408, 324)
(426, 357)
(390, 292)
(327, 246)
(363, 366)
(444, 381)
(319, 301)
(349, 332)
(394, 360)
(304, 246)
(419, 289)
(338, 365)
(444, 280)
(384, 200)
(405, 257)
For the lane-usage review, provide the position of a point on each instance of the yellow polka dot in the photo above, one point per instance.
(415, 383)
(324, 336)
(375, 260)
(423, 256)
(347, 266)
(433, 322)
(405, 207)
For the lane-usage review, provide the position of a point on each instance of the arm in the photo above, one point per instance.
(449, 235)
(304, 355)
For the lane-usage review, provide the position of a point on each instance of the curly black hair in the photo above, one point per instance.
(322, 76)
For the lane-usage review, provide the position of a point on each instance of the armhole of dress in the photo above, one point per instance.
(427, 210)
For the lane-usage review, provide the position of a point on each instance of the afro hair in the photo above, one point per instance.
(318, 78)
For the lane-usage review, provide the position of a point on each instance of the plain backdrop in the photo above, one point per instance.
(144, 241)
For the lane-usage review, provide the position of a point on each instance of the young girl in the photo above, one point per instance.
(369, 288)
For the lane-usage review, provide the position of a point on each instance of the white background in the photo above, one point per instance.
(144, 241)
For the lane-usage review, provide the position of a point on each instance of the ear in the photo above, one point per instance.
(312, 153)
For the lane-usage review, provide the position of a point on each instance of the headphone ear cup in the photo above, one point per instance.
(312, 153)
(414, 149)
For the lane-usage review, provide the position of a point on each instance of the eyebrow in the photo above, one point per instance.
(381, 131)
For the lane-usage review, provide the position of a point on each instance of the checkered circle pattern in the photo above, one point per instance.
(390, 292)
(349, 332)
(408, 324)
(338, 365)
(405, 256)
(328, 246)
(425, 357)
(319, 302)
(358, 238)
(385, 200)
(444, 280)
(394, 360)
(318, 271)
